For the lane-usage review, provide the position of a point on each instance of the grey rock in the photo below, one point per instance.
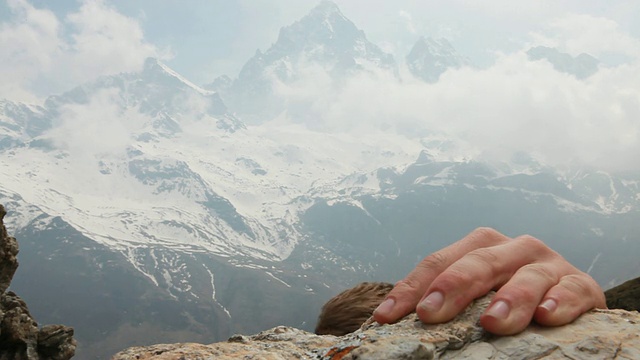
(599, 334)
(8, 253)
(624, 296)
(581, 66)
(429, 58)
(20, 337)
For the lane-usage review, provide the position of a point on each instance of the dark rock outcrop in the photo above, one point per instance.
(624, 296)
(20, 337)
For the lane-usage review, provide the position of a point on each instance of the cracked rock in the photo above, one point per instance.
(599, 334)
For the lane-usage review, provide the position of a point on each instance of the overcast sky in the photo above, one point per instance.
(48, 47)
(206, 38)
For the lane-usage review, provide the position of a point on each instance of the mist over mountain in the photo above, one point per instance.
(581, 66)
(150, 209)
(324, 39)
(429, 58)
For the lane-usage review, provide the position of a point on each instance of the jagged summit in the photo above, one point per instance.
(328, 10)
(581, 66)
(324, 25)
(323, 38)
(429, 58)
(326, 35)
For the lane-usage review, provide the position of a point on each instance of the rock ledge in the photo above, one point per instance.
(599, 334)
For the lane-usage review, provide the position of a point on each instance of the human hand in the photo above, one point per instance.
(532, 282)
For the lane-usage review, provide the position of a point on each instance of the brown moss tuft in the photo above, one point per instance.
(346, 312)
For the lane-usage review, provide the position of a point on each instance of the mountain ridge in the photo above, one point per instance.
(158, 188)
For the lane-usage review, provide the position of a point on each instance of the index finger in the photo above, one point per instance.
(406, 294)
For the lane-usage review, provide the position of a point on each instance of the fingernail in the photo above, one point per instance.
(433, 302)
(550, 305)
(385, 307)
(499, 310)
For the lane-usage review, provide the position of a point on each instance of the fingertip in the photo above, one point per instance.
(383, 313)
(552, 312)
(392, 309)
(548, 305)
(428, 309)
(565, 302)
(501, 318)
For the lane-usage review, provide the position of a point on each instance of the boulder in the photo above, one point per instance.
(599, 334)
(624, 296)
(20, 336)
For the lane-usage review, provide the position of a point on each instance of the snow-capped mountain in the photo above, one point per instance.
(144, 180)
(147, 211)
(324, 40)
(429, 58)
(581, 66)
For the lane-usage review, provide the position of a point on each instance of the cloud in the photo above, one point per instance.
(409, 23)
(598, 36)
(30, 44)
(105, 42)
(99, 127)
(42, 55)
(515, 105)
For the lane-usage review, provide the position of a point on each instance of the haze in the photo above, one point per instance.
(502, 104)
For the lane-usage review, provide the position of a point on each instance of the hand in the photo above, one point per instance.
(532, 282)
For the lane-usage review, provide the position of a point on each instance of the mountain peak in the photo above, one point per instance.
(323, 37)
(430, 57)
(581, 66)
(327, 9)
(155, 69)
(323, 25)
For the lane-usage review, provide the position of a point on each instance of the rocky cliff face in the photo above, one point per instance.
(600, 334)
(20, 337)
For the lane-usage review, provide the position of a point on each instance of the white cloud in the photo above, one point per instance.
(408, 19)
(37, 59)
(30, 44)
(104, 42)
(578, 33)
(99, 127)
(514, 105)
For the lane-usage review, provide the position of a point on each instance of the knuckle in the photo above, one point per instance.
(409, 284)
(543, 271)
(535, 245)
(580, 284)
(485, 261)
(435, 262)
(522, 294)
(486, 256)
(454, 279)
(487, 236)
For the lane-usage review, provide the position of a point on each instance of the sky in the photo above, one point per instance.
(203, 39)
(49, 47)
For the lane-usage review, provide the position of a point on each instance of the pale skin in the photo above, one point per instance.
(532, 281)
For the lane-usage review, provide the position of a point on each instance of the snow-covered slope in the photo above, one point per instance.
(192, 184)
(143, 193)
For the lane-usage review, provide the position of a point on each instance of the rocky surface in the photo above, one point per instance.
(20, 337)
(624, 296)
(600, 334)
